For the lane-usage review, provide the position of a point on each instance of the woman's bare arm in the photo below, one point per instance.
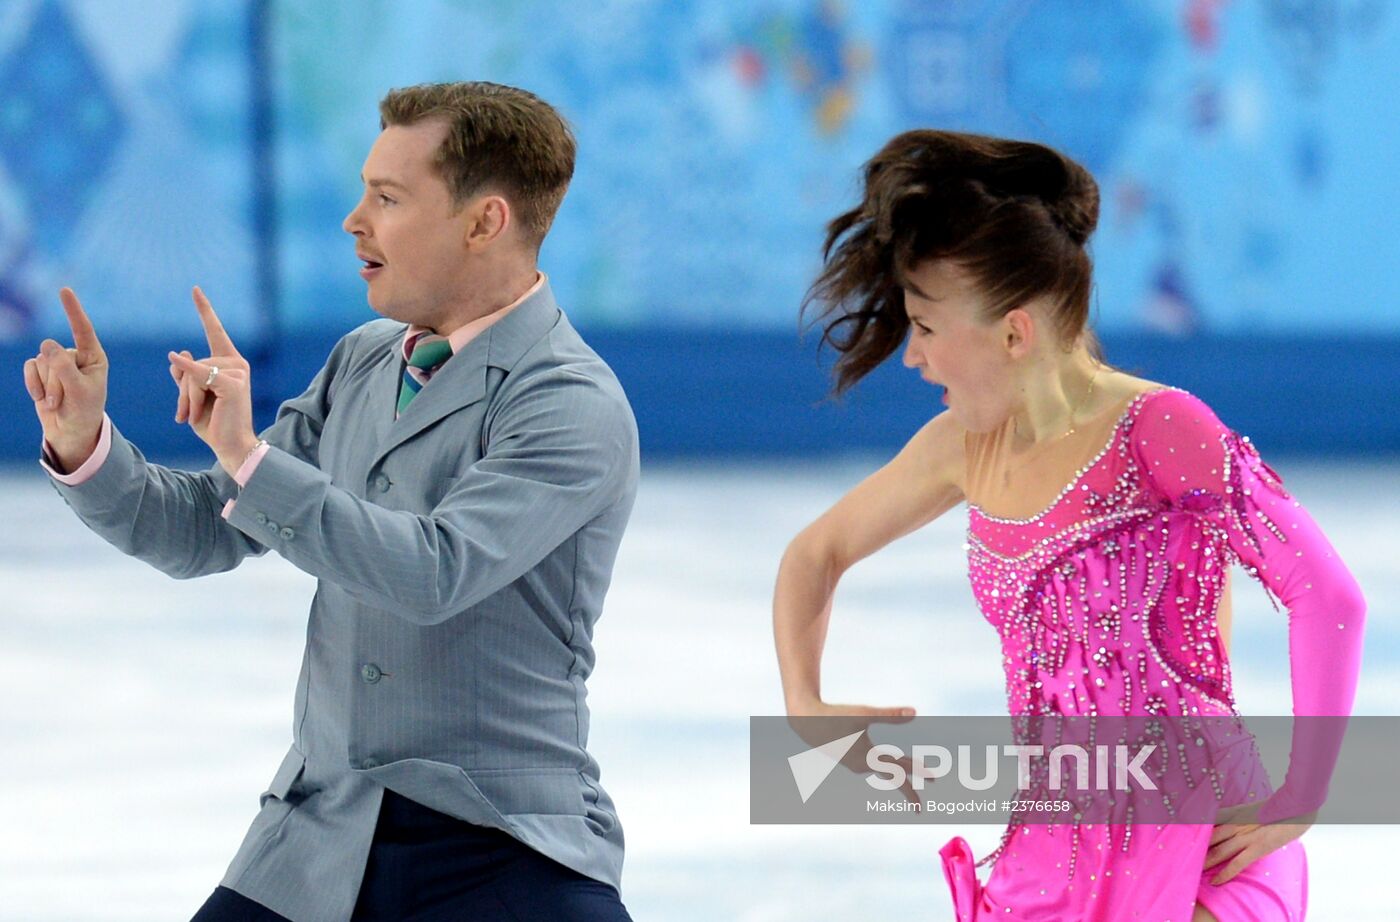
(919, 484)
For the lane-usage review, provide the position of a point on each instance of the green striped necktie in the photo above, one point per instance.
(430, 350)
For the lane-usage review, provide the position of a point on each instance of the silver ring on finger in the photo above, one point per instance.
(213, 373)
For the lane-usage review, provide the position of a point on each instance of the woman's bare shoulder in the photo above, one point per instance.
(1118, 386)
(941, 449)
(919, 484)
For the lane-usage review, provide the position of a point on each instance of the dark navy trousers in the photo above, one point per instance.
(426, 866)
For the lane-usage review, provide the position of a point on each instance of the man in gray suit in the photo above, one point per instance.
(461, 517)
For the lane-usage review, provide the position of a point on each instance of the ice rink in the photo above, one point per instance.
(143, 715)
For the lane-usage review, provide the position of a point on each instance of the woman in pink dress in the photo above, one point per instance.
(1104, 514)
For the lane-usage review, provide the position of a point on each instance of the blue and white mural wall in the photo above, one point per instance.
(1243, 147)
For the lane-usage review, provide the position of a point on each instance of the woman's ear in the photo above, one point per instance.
(1018, 334)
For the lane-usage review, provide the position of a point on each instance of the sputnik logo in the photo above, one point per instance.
(811, 768)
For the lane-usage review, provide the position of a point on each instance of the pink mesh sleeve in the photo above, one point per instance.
(1202, 467)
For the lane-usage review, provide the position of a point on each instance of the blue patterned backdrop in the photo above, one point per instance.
(1237, 144)
(1245, 150)
(125, 165)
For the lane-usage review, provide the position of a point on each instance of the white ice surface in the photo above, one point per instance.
(142, 715)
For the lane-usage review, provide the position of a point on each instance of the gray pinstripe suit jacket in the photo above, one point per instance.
(462, 554)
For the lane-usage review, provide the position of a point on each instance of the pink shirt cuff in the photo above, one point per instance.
(245, 471)
(88, 467)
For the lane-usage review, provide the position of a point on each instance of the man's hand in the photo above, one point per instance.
(69, 388)
(220, 411)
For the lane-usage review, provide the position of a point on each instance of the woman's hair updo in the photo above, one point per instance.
(1014, 214)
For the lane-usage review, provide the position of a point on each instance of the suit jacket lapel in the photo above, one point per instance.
(461, 381)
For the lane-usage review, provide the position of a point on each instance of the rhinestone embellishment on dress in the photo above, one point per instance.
(1105, 601)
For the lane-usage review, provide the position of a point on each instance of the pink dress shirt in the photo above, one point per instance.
(458, 338)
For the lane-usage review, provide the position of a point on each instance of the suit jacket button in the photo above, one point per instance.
(369, 763)
(260, 518)
(272, 526)
(370, 673)
(287, 533)
(382, 482)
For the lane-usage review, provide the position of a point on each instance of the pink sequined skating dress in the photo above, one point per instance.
(1106, 603)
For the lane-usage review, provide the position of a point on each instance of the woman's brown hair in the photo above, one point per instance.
(1015, 215)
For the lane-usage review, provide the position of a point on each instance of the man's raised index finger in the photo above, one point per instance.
(84, 336)
(219, 342)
